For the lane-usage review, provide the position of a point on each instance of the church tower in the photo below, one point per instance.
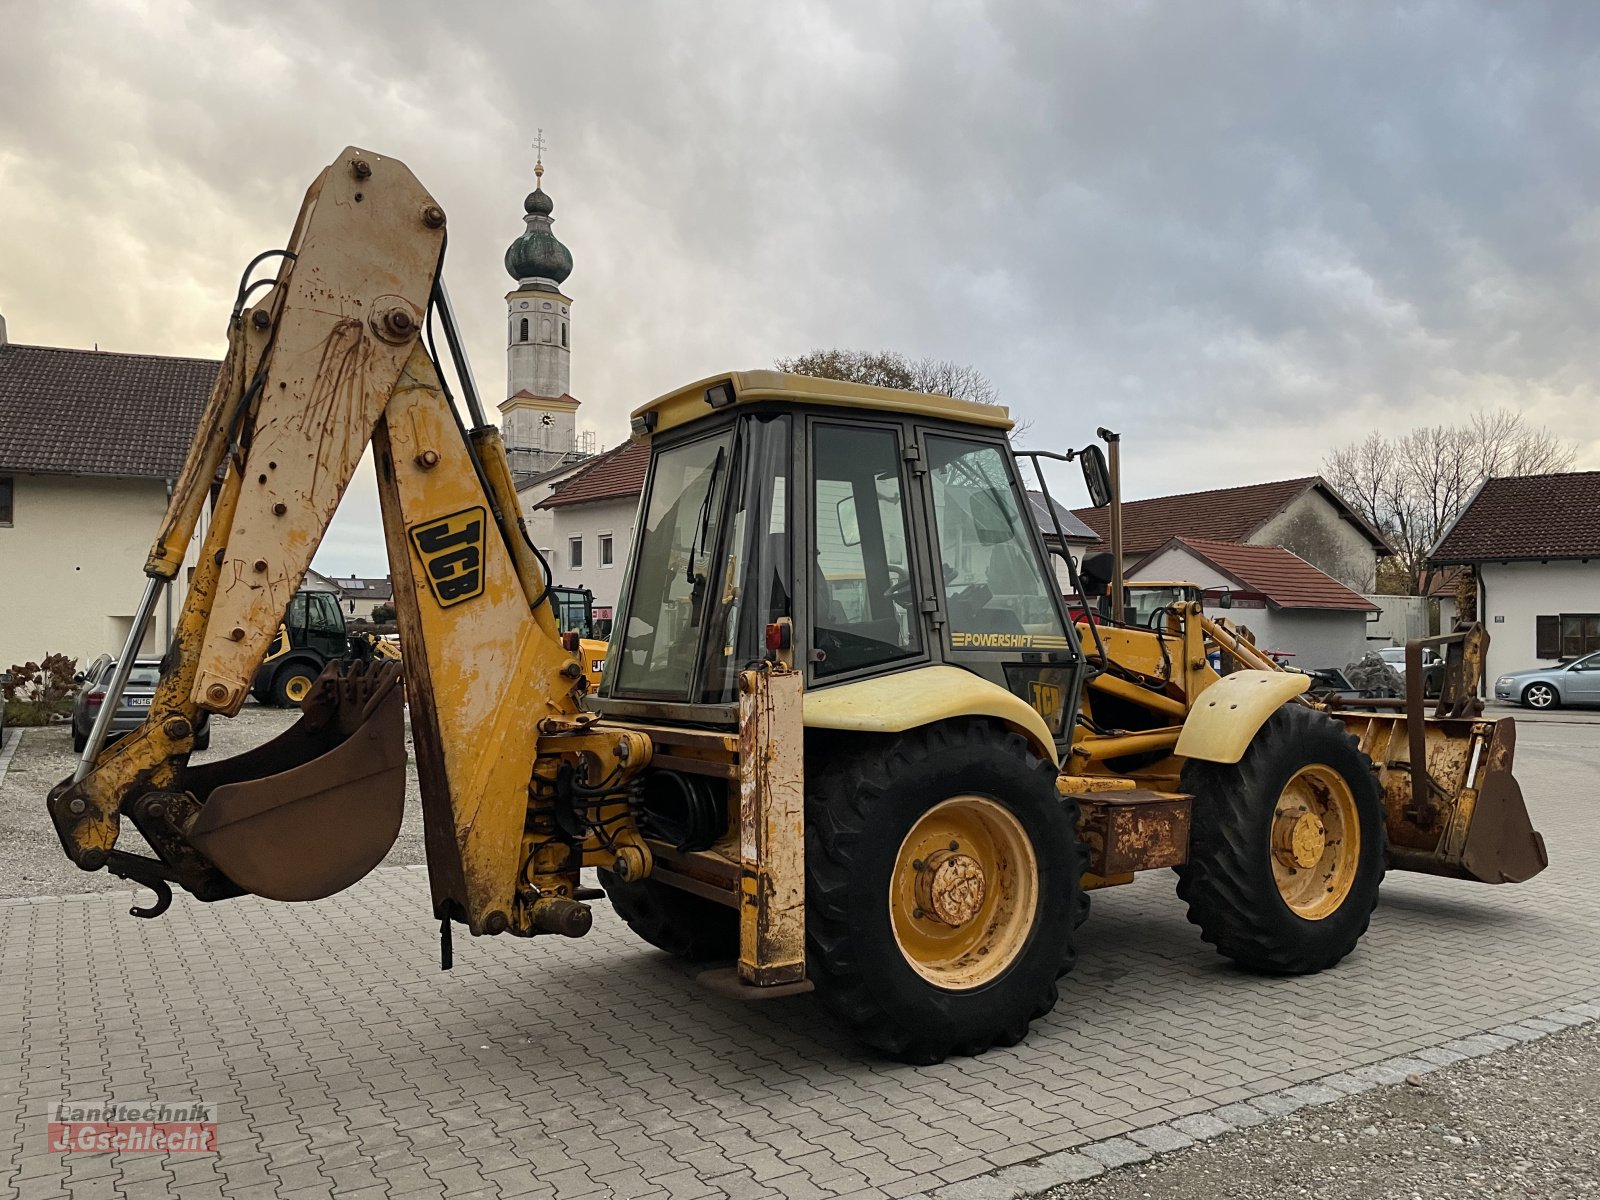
(539, 414)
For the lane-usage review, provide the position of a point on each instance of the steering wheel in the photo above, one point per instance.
(900, 586)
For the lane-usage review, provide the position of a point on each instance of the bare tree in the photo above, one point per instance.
(1413, 485)
(888, 368)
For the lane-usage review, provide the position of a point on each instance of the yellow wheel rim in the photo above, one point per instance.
(964, 892)
(296, 687)
(1316, 842)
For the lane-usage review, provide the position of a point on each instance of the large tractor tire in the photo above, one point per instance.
(293, 683)
(942, 889)
(1287, 847)
(685, 926)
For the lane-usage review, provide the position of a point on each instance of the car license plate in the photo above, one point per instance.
(137, 701)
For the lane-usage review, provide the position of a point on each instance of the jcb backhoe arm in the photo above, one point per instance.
(519, 791)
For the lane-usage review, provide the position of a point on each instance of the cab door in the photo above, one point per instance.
(1001, 613)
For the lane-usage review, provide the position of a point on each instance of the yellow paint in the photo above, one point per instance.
(911, 699)
(689, 403)
(1225, 719)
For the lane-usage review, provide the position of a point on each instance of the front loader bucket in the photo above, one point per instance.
(1463, 816)
(315, 809)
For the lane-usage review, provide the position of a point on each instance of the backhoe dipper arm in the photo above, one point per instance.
(329, 361)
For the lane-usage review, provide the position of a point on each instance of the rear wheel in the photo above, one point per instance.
(942, 889)
(292, 683)
(1541, 695)
(1287, 848)
(685, 926)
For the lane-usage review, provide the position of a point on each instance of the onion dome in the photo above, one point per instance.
(537, 259)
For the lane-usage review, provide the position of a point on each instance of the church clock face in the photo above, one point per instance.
(547, 419)
(524, 304)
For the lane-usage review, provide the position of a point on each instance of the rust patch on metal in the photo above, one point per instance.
(1134, 831)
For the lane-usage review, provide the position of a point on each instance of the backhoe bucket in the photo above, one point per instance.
(315, 809)
(1463, 816)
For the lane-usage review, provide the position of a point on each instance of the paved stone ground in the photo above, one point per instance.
(344, 1063)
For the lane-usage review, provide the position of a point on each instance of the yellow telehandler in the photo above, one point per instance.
(847, 736)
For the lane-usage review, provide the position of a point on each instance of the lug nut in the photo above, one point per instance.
(217, 693)
(918, 913)
(954, 846)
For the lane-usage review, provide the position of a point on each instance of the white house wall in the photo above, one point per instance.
(1312, 528)
(589, 521)
(72, 567)
(1516, 593)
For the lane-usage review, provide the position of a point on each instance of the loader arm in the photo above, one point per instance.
(519, 789)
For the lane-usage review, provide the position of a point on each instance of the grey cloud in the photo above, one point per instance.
(1239, 232)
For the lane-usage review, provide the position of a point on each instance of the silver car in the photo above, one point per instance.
(1576, 682)
(131, 710)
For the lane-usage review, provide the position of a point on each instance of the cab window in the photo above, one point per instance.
(863, 598)
(996, 591)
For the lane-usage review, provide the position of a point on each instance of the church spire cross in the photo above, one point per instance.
(539, 147)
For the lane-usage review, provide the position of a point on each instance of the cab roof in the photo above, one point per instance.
(731, 389)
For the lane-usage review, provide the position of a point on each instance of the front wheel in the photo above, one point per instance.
(1540, 695)
(1287, 846)
(292, 684)
(942, 889)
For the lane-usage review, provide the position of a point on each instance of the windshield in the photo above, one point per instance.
(1395, 655)
(995, 585)
(673, 588)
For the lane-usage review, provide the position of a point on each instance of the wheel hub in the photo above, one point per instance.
(950, 887)
(1301, 839)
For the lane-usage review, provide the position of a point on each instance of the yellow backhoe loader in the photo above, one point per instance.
(846, 738)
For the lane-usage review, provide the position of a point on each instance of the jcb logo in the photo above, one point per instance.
(451, 550)
(1046, 699)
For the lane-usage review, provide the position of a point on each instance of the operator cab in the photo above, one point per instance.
(887, 527)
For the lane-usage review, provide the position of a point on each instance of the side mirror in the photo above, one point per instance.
(849, 527)
(1096, 476)
(1225, 598)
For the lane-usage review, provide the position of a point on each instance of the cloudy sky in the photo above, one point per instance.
(1238, 232)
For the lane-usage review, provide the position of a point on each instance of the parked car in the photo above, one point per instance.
(1432, 667)
(131, 710)
(1576, 682)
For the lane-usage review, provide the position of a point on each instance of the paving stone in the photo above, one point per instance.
(1201, 1126)
(1116, 1152)
(344, 1061)
(1161, 1138)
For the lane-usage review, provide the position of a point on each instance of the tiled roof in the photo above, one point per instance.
(1527, 517)
(356, 587)
(94, 412)
(1285, 579)
(615, 475)
(1222, 514)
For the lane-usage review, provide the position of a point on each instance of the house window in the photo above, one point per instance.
(606, 558)
(575, 553)
(524, 336)
(1567, 635)
(563, 335)
(5, 500)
